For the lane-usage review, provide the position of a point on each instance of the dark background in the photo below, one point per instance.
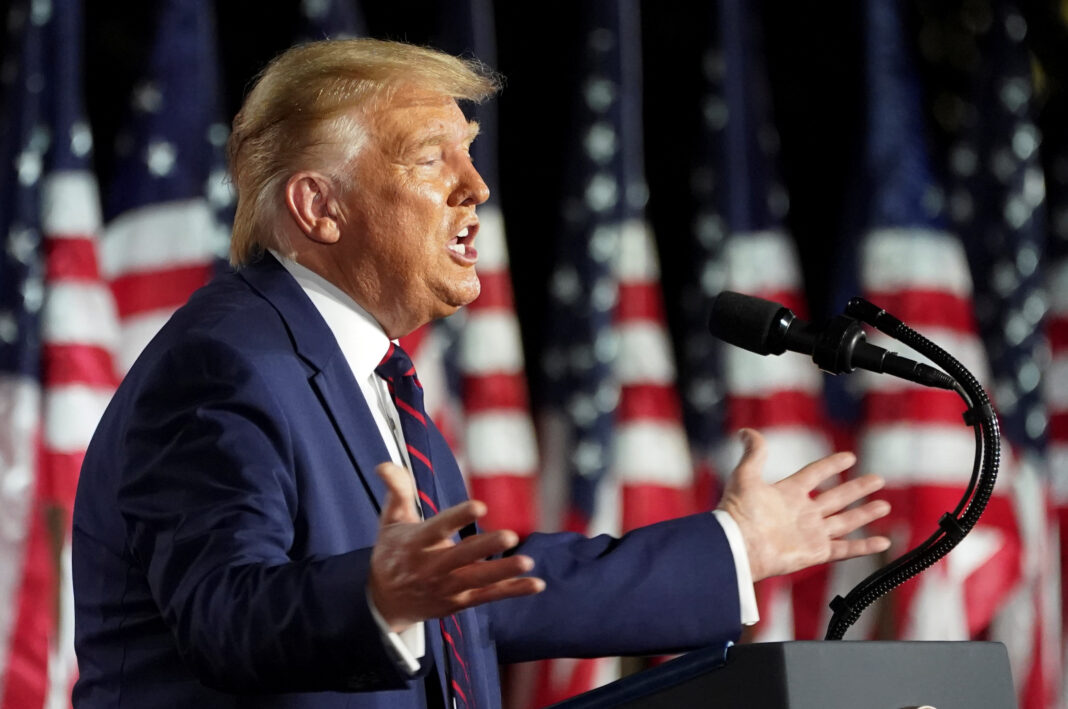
(814, 58)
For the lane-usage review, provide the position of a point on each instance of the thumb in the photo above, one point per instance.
(750, 468)
(398, 506)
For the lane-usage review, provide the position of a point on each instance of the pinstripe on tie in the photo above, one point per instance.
(407, 393)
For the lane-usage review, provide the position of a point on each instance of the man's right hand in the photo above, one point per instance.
(418, 572)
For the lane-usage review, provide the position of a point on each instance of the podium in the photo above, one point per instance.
(819, 675)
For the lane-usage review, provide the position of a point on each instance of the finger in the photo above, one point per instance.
(844, 495)
(849, 521)
(487, 573)
(850, 548)
(750, 468)
(450, 521)
(400, 492)
(478, 547)
(511, 588)
(812, 475)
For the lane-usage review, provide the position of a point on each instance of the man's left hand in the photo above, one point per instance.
(785, 527)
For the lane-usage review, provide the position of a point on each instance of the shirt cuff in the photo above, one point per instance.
(406, 647)
(747, 602)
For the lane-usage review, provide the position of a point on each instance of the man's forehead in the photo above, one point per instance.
(408, 100)
(420, 122)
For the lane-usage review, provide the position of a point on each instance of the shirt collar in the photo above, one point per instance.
(362, 340)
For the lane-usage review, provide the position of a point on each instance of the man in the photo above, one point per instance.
(265, 516)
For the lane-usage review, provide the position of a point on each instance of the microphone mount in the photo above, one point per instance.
(838, 346)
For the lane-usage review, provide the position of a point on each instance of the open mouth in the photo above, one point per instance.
(463, 243)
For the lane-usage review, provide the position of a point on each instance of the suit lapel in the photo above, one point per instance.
(337, 389)
(331, 376)
(341, 398)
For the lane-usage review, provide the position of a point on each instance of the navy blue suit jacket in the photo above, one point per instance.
(225, 517)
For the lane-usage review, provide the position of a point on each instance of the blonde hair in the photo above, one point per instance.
(299, 114)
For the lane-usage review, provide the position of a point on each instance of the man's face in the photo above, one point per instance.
(408, 219)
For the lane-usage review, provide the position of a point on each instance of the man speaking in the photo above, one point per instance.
(266, 516)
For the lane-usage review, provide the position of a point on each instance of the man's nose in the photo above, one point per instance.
(471, 189)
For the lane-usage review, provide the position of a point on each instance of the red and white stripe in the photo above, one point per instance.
(1055, 389)
(1028, 620)
(489, 428)
(23, 546)
(915, 438)
(782, 398)
(652, 474)
(154, 257)
(79, 333)
(651, 455)
(79, 330)
(499, 440)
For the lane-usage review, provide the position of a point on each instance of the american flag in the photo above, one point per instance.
(740, 244)
(482, 350)
(1055, 382)
(1055, 385)
(911, 263)
(168, 209)
(615, 428)
(57, 334)
(997, 202)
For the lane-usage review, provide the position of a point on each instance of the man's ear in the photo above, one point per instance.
(310, 201)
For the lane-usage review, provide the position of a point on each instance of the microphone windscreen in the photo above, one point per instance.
(746, 321)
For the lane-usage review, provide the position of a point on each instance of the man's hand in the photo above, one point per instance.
(784, 527)
(418, 572)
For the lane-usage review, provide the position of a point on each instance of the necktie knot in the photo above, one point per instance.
(395, 365)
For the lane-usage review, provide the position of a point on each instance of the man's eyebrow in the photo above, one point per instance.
(441, 137)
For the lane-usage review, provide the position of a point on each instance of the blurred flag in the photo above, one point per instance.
(740, 244)
(168, 208)
(1055, 383)
(909, 262)
(614, 434)
(609, 363)
(475, 358)
(331, 19)
(997, 204)
(57, 334)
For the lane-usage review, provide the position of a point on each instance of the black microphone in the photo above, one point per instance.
(838, 346)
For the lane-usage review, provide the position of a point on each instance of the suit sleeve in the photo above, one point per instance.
(664, 588)
(209, 496)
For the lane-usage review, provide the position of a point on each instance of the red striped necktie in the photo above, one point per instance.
(407, 393)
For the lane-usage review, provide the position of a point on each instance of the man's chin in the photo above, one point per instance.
(464, 294)
(452, 296)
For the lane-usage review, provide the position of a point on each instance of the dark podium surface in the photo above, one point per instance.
(819, 675)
